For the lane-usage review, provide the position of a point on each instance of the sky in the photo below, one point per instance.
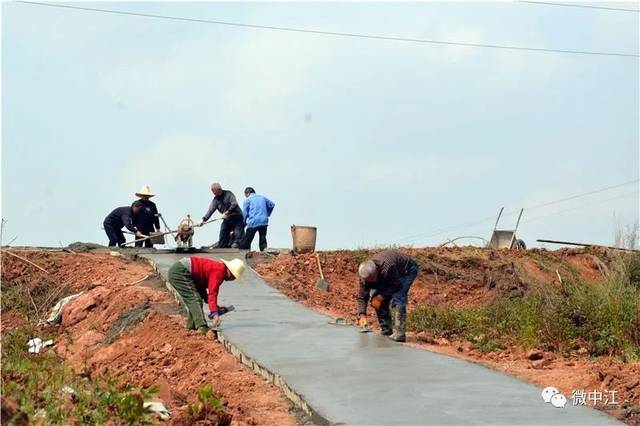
(374, 142)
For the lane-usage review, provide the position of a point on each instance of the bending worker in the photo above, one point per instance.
(147, 221)
(256, 212)
(385, 279)
(225, 202)
(119, 218)
(197, 279)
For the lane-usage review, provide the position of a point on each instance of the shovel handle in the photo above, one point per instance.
(319, 265)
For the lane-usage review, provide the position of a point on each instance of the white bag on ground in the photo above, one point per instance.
(37, 344)
(56, 313)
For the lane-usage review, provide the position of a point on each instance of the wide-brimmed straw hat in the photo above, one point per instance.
(145, 191)
(235, 266)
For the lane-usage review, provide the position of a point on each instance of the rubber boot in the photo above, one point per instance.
(384, 319)
(400, 324)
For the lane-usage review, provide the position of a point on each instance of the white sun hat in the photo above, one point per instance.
(145, 191)
(236, 266)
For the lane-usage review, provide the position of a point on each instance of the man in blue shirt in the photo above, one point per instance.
(256, 211)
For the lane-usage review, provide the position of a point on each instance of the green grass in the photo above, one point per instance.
(209, 409)
(604, 317)
(37, 383)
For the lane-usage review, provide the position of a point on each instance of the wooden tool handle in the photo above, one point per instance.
(319, 265)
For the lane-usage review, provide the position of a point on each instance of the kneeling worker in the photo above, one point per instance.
(386, 279)
(196, 276)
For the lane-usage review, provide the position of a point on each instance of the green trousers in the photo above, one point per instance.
(181, 279)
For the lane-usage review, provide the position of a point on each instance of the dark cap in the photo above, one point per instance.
(249, 190)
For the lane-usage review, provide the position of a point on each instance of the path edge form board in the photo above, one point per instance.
(296, 399)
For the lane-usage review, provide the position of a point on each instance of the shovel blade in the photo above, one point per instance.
(322, 285)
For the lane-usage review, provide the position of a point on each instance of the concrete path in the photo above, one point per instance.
(348, 378)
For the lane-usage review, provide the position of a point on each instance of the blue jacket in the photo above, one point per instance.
(256, 210)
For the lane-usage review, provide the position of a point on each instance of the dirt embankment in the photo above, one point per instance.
(133, 331)
(457, 277)
(469, 277)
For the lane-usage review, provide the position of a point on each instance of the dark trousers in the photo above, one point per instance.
(399, 299)
(180, 279)
(115, 235)
(146, 230)
(147, 243)
(232, 224)
(250, 233)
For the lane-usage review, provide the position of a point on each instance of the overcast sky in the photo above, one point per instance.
(372, 141)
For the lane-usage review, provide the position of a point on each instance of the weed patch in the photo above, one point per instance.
(209, 408)
(604, 317)
(43, 388)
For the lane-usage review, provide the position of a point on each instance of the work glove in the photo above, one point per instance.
(376, 302)
(215, 318)
(139, 234)
(361, 321)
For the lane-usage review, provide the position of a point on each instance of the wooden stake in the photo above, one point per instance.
(25, 260)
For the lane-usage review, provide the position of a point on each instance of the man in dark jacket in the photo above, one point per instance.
(147, 221)
(225, 202)
(119, 218)
(386, 280)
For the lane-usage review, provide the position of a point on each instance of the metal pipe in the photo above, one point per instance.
(569, 243)
(498, 219)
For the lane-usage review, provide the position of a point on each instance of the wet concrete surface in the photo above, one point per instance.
(353, 378)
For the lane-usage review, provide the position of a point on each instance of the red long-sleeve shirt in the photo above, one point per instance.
(209, 274)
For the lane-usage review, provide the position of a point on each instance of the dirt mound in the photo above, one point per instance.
(75, 272)
(161, 351)
(452, 276)
(80, 247)
(457, 277)
(133, 330)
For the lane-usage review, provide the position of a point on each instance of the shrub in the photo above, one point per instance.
(604, 316)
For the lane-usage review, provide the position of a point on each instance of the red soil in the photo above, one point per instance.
(156, 351)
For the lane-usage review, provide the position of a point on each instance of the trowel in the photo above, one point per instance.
(341, 321)
(221, 311)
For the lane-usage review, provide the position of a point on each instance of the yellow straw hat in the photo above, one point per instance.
(235, 266)
(145, 191)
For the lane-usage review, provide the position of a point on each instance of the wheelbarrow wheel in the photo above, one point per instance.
(519, 244)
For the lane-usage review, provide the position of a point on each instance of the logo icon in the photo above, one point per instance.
(558, 400)
(552, 396)
(548, 392)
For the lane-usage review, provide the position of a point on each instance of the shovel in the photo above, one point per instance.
(321, 283)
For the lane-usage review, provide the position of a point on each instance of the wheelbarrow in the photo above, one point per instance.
(506, 238)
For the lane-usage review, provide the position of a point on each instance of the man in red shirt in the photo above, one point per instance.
(199, 278)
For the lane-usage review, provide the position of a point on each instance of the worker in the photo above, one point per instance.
(147, 221)
(385, 279)
(193, 277)
(256, 211)
(119, 218)
(225, 202)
